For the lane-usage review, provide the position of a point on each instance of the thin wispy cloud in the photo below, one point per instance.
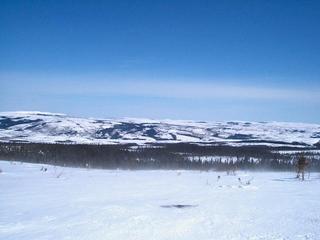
(110, 85)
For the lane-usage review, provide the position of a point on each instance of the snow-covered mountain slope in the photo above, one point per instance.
(73, 203)
(58, 128)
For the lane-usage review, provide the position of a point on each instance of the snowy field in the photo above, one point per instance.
(70, 203)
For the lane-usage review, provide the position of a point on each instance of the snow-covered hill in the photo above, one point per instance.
(59, 128)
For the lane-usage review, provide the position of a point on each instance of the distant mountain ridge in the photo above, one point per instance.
(43, 127)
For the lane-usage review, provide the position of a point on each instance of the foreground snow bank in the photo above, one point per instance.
(68, 203)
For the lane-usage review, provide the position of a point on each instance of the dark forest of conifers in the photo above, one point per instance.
(159, 156)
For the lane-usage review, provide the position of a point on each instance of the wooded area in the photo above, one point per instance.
(159, 156)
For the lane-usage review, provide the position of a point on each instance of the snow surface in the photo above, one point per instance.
(52, 128)
(71, 203)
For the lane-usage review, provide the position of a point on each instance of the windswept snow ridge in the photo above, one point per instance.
(41, 127)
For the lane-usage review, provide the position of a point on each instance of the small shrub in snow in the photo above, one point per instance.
(44, 169)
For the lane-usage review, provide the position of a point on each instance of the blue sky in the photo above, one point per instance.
(202, 60)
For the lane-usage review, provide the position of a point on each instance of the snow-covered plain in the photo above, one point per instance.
(71, 203)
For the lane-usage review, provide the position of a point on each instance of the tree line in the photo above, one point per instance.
(157, 156)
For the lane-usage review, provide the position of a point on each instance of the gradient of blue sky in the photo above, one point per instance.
(209, 60)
